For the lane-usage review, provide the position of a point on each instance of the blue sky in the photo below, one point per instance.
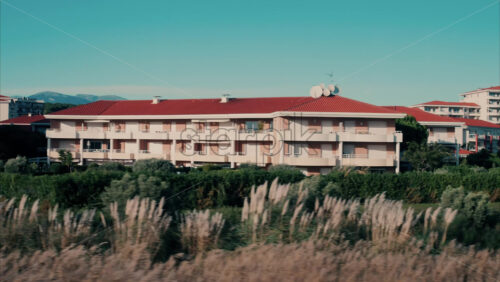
(382, 52)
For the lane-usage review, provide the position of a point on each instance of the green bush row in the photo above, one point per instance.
(412, 187)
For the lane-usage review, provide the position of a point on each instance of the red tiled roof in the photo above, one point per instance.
(2, 97)
(25, 120)
(420, 115)
(443, 103)
(463, 152)
(483, 89)
(477, 122)
(491, 88)
(233, 106)
(339, 104)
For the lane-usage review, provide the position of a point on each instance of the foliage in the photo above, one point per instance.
(425, 157)
(152, 166)
(413, 132)
(476, 223)
(2, 166)
(66, 159)
(17, 165)
(484, 159)
(54, 107)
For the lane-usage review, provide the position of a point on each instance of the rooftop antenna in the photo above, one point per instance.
(156, 99)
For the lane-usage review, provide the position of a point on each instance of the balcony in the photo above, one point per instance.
(91, 134)
(396, 136)
(95, 153)
(363, 160)
(118, 134)
(148, 135)
(121, 155)
(441, 139)
(309, 161)
(54, 153)
(57, 133)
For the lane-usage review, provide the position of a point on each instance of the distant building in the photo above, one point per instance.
(489, 101)
(35, 123)
(314, 135)
(451, 109)
(16, 107)
(442, 129)
(468, 134)
(480, 134)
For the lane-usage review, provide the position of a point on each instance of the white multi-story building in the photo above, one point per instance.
(312, 134)
(480, 134)
(468, 134)
(442, 129)
(451, 109)
(16, 107)
(489, 101)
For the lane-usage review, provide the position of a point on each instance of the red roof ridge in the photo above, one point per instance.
(25, 120)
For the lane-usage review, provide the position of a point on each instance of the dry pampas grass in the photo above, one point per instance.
(307, 261)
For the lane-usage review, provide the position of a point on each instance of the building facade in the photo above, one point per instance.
(16, 107)
(314, 135)
(480, 134)
(451, 109)
(469, 135)
(489, 101)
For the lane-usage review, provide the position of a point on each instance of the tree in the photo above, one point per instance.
(66, 159)
(425, 157)
(412, 131)
(54, 107)
(17, 165)
(482, 158)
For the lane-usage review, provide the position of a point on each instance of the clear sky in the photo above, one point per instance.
(382, 52)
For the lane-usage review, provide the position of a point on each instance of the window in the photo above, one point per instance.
(296, 149)
(199, 148)
(252, 125)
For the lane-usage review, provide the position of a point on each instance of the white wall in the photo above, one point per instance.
(4, 111)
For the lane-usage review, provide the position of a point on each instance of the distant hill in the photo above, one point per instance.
(78, 99)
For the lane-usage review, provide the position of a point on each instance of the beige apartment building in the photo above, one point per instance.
(471, 135)
(451, 109)
(16, 107)
(313, 134)
(489, 101)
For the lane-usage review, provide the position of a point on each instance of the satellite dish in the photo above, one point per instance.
(326, 92)
(337, 90)
(322, 85)
(331, 87)
(316, 91)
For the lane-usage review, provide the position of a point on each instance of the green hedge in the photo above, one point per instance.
(414, 187)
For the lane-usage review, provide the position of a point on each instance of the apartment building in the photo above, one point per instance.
(451, 109)
(442, 129)
(470, 135)
(16, 107)
(489, 101)
(480, 134)
(313, 134)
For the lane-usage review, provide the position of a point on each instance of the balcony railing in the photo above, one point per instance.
(95, 150)
(355, 156)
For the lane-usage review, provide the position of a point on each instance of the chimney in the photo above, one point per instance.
(156, 99)
(225, 98)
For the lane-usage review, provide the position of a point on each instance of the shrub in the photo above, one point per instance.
(476, 223)
(152, 166)
(2, 164)
(112, 166)
(17, 165)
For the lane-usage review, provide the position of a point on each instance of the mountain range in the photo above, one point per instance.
(78, 99)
